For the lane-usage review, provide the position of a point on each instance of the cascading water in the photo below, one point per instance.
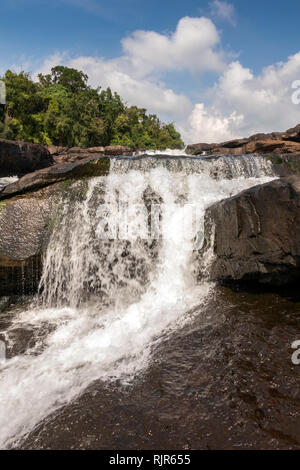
(7, 180)
(117, 276)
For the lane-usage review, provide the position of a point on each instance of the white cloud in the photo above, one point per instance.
(141, 92)
(155, 97)
(223, 10)
(242, 104)
(238, 105)
(208, 125)
(50, 62)
(194, 46)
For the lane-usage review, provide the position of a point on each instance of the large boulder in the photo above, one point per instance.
(285, 164)
(29, 210)
(18, 158)
(71, 155)
(255, 236)
(246, 146)
(24, 227)
(88, 167)
(232, 147)
(293, 134)
(265, 147)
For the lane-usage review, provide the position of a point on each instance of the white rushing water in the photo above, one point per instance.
(7, 180)
(169, 152)
(116, 278)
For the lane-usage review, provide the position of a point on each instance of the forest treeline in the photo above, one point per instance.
(62, 109)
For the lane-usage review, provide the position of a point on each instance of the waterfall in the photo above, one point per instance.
(118, 276)
(7, 180)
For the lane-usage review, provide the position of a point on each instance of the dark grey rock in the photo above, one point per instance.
(255, 236)
(18, 158)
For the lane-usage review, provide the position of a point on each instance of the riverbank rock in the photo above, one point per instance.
(255, 236)
(64, 155)
(25, 224)
(23, 229)
(89, 167)
(275, 142)
(18, 158)
(29, 209)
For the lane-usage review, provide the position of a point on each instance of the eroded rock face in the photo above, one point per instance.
(24, 224)
(18, 158)
(255, 236)
(271, 146)
(275, 142)
(28, 212)
(64, 155)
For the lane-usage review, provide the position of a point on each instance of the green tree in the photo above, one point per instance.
(62, 109)
(71, 79)
(24, 103)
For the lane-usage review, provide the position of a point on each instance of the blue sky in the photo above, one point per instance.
(218, 69)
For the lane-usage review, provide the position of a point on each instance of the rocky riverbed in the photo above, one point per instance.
(114, 342)
(224, 381)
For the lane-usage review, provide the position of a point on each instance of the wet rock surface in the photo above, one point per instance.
(24, 224)
(255, 236)
(225, 381)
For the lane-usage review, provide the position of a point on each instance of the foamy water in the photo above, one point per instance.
(169, 152)
(7, 180)
(106, 302)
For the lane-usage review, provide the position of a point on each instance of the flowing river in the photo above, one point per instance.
(124, 346)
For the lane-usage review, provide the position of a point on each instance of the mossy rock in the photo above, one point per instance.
(2, 206)
(286, 164)
(94, 167)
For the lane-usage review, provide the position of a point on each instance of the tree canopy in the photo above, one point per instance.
(62, 109)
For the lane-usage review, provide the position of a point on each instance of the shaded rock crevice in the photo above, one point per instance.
(18, 158)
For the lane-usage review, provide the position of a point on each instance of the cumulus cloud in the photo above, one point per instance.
(223, 10)
(194, 46)
(241, 104)
(209, 125)
(154, 96)
(141, 92)
(50, 62)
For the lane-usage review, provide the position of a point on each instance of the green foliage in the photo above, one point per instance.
(62, 109)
